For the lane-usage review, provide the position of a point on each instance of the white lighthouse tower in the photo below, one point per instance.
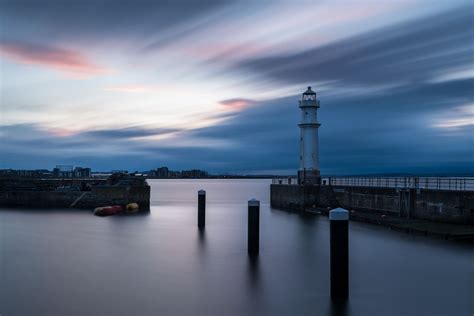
(309, 145)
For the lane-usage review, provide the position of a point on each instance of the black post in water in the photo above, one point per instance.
(253, 226)
(339, 219)
(201, 208)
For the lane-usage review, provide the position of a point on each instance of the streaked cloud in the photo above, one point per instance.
(456, 123)
(214, 84)
(67, 61)
(100, 21)
(129, 133)
(401, 53)
(132, 88)
(236, 103)
(457, 118)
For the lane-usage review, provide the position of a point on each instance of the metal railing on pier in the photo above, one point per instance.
(433, 183)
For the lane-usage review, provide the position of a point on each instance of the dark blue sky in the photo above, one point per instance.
(214, 85)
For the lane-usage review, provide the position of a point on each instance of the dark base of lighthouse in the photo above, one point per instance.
(309, 177)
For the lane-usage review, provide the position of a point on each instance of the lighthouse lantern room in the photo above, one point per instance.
(308, 172)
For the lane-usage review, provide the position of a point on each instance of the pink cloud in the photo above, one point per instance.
(60, 132)
(67, 61)
(237, 103)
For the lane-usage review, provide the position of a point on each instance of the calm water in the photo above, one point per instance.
(69, 262)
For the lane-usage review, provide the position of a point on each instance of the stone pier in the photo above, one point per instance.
(94, 193)
(448, 206)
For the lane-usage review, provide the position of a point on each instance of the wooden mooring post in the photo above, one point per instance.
(253, 241)
(201, 209)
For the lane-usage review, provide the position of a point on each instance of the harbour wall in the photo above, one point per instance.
(101, 195)
(435, 205)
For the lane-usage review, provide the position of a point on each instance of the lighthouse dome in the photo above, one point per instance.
(309, 95)
(309, 91)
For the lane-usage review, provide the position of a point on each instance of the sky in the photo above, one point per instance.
(136, 85)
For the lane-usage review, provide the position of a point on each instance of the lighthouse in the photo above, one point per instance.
(308, 172)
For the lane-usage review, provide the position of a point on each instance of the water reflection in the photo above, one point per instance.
(202, 238)
(255, 291)
(339, 308)
(253, 271)
(61, 261)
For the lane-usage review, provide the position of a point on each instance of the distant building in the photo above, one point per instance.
(174, 174)
(165, 173)
(82, 172)
(119, 171)
(63, 171)
(68, 171)
(162, 172)
(195, 173)
(65, 168)
(56, 173)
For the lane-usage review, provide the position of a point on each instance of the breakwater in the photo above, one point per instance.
(448, 206)
(74, 193)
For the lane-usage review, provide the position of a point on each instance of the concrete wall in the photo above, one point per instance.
(371, 199)
(98, 196)
(443, 205)
(287, 196)
(436, 205)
